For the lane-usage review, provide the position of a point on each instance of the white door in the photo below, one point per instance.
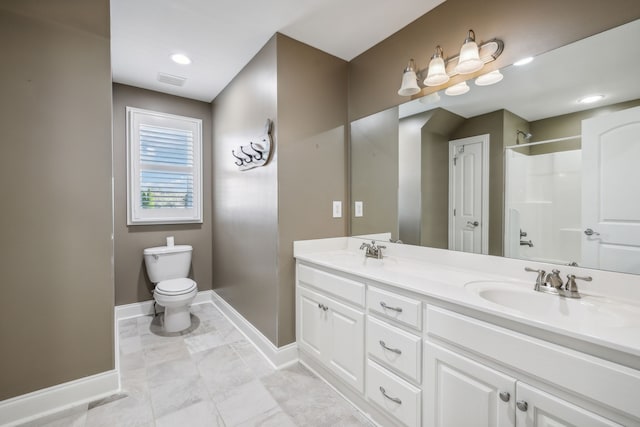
(461, 392)
(345, 328)
(611, 191)
(311, 329)
(469, 194)
(539, 409)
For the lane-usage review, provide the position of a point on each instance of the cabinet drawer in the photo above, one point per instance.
(407, 311)
(583, 374)
(347, 289)
(398, 399)
(403, 350)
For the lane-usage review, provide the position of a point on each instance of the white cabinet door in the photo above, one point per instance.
(333, 333)
(539, 409)
(345, 348)
(311, 328)
(461, 392)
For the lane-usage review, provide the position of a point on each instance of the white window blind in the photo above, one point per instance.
(164, 168)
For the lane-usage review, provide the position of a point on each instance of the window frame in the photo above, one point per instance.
(136, 215)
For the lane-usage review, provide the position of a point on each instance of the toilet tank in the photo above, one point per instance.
(167, 262)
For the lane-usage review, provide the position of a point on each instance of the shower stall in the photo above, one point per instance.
(543, 183)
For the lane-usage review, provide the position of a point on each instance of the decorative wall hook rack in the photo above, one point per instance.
(257, 152)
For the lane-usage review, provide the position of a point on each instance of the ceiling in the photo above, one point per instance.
(221, 37)
(552, 84)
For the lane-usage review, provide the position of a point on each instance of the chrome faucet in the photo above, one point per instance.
(372, 251)
(552, 283)
(553, 279)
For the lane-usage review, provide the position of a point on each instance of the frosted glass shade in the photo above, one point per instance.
(489, 78)
(437, 74)
(457, 89)
(469, 60)
(409, 84)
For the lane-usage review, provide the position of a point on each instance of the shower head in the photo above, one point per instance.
(525, 135)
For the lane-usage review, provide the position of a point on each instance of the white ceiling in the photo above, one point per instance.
(605, 64)
(221, 37)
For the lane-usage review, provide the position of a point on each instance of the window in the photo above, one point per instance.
(164, 174)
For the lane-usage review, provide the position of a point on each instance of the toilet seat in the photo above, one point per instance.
(175, 287)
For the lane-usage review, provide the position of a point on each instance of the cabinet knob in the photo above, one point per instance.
(522, 405)
(505, 396)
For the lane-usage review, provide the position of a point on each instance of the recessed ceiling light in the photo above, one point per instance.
(181, 59)
(523, 61)
(590, 99)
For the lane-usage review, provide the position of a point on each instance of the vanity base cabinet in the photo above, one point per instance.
(545, 410)
(397, 398)
(333, 333)
(461, 392)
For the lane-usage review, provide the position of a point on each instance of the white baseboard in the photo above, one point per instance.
(40, 403)
(145, 308)
(280, 357)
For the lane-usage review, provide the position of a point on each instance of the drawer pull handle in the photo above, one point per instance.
(393, 350)
(522, 405)
(322, 306)
(384, 305)
(505, 396)
(393, 399)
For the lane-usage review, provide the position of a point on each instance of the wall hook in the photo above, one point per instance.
(239, 158)
(260, 152)
(249, 158)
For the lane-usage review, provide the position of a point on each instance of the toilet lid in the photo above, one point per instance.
(175, 286)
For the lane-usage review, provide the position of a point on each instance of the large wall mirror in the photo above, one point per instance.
(520, 168)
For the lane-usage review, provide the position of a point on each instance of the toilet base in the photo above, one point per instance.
(177, 316)
(176, 319)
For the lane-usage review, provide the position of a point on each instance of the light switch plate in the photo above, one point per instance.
(358, 211)
(337, 209)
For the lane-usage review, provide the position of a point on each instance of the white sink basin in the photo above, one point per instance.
(584, 312)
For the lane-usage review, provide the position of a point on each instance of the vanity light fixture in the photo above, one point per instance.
(440, 70)
(469, 60)
(181, 59)
(590, 99)
(489, 79)
(457, 89)
(437, 74)
(409, 80)
(523, 61)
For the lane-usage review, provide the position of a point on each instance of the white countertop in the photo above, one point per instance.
(443, 275)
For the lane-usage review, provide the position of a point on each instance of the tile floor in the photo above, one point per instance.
(208, 375)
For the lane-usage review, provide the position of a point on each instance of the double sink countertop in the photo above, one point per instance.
(500, 288)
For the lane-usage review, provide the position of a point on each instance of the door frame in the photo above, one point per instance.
(484, 139)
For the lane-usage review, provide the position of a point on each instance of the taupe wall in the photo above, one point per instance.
(245, 204)
(527, 28)
(568, 125)
(374, 173)
(409, 177)
(131, 281)
(435, 177)
(259, 213)
(312, 153)
(56, 309)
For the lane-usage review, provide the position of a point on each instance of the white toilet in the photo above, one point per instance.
(168, 268)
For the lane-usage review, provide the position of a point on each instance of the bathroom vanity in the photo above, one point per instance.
(428, 337)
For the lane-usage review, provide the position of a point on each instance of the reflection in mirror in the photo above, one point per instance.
(561, 176)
